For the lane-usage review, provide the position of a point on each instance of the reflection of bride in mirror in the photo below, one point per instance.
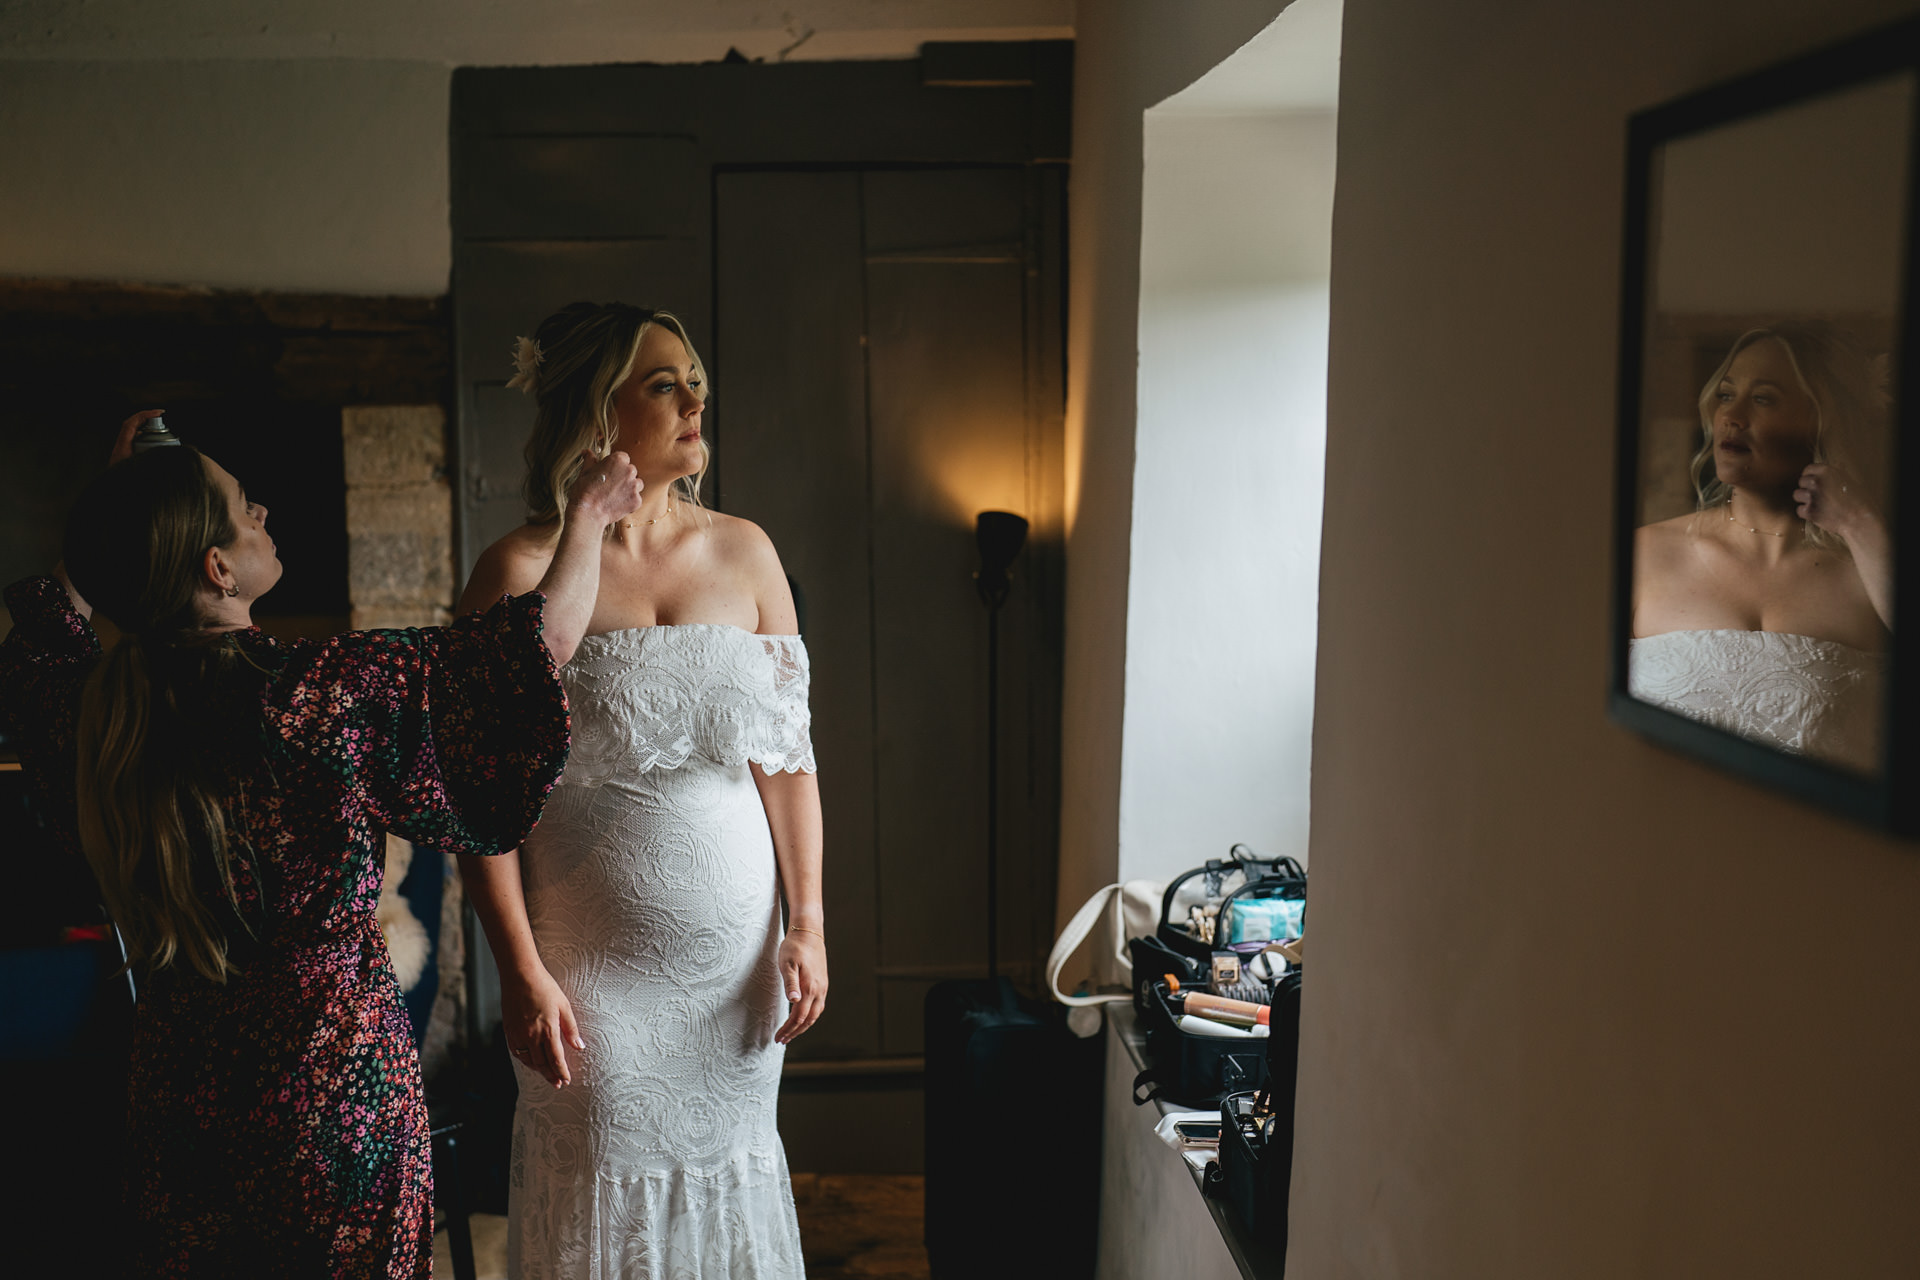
(1765, 611)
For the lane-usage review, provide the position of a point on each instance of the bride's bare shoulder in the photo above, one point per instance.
(748, 552)
(1667, 535)
(739, 542)
(512, 566)
(1670, 555)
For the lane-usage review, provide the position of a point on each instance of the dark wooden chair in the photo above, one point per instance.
(448, 1121)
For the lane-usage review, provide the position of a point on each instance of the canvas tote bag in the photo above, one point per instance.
(1111, 916)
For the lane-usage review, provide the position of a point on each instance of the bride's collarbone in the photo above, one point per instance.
(635, 611)
(1829, 616)
(1815, 596)
(693, 583)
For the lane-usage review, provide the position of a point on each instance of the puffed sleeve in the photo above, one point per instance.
(44, 661)
(452, 736)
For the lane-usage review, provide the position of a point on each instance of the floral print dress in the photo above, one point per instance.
(276, 1122)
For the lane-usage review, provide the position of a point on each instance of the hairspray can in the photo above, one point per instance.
(153, 434)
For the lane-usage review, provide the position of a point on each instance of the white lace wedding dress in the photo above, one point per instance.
(1812, 697)
(653, 894)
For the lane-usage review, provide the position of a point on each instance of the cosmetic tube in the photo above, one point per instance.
(1198, 1026)
(1245, 1012)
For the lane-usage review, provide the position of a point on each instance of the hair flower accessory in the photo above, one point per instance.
(526, 363)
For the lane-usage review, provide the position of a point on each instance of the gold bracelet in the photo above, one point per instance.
(800, 928)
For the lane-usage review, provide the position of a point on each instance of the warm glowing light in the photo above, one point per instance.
(984, 469)
(1074, 450)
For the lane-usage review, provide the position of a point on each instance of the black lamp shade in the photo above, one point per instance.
(1000, 535)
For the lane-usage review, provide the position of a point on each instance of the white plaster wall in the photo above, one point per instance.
(325, 176)
(1563, 1020)
(1230, 448)
(303, 145)
(1128, 56)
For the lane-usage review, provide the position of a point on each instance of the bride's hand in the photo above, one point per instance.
(538, 1020)
(803, 975)
(1828, 497)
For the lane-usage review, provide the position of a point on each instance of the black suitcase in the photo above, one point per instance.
(1013, 1136)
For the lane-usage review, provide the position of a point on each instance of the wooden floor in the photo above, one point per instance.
(861, 1226)
(852, 1227)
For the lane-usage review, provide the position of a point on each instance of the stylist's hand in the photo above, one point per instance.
(1828, 497)
(123, 443)
(607, 489)
(803, 975)
(538, 1020)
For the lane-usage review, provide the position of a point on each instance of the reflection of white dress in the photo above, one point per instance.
(1811, 697)
(653, 894)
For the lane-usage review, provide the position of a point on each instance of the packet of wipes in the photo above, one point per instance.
(1264, 919)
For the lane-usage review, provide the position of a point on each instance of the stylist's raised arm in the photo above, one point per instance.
(606, 491)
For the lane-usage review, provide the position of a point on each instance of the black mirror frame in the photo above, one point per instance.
(1891, 801)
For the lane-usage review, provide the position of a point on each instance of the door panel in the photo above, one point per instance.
(580, 188)
(496, 466)
(947, 213)
(790, 373)
(949, 434)
(866, 464)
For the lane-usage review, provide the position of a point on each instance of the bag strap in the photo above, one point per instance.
(1213, 866)
(1069, 942)
(1241, 858)
(1283, 864)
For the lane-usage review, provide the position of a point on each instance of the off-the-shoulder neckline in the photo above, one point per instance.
(1752, 631)
(687, 626)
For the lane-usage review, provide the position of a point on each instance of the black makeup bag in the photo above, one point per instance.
(1193, 1070)
(1153, 960)
(1256, 1129)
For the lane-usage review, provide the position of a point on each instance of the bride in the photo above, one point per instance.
(638, 931)
(1766, 610)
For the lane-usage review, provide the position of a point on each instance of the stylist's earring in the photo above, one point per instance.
(234, 590)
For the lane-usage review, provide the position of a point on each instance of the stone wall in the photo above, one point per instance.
(399, 516)
(400, 574)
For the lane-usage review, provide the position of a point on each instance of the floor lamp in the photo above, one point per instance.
(1000, 535)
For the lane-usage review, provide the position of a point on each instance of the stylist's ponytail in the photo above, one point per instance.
(151, 821)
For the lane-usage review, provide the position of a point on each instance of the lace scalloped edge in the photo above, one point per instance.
(771, 767)
(669, 760)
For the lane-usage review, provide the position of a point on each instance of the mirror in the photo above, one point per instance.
(1763, 338)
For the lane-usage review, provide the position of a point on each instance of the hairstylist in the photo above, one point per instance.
(231, 793)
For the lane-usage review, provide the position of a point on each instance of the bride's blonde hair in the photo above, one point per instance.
(1848, 391)
(573, 366)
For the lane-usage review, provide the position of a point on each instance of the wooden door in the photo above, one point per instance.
(873, 340)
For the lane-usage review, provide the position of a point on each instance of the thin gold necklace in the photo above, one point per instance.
(627, 524)
(1767, 533)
